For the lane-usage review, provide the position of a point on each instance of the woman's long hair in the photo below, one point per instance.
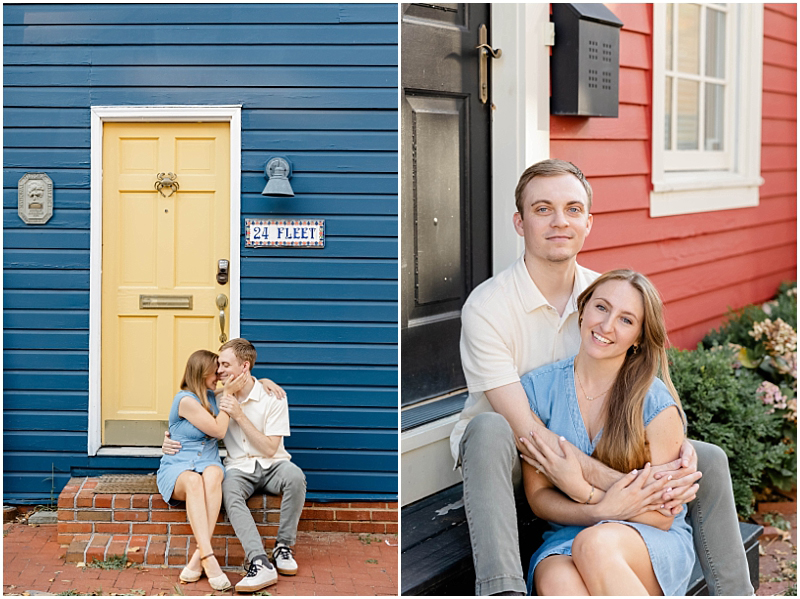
(201, 365)
(623, 445)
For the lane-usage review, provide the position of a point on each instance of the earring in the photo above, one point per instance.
(636, 348)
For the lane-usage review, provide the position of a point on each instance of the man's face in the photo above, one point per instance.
(555, 220)
(229, 365)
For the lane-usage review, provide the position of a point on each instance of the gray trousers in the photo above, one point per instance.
(282, 478)
(490, 467)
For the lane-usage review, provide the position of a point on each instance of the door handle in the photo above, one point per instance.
(483, 67)
(222, 303)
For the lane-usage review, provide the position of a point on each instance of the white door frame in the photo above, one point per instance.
(148, 114)
(520, 137)
(521, 112)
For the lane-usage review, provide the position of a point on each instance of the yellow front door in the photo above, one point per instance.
(162, 244)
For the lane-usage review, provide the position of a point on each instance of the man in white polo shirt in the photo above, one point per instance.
(523, 318)
(257, 462)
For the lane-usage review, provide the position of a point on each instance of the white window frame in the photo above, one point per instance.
(148, 114)
(718, 188)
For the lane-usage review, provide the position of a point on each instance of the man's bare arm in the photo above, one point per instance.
(265, 445)
(511, 402)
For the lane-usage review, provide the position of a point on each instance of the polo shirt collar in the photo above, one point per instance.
(255, 394)
(532, 299)
(529, 295)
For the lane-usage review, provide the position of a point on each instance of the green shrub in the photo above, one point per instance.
(722, 407)
(764, 339)
(739, 323)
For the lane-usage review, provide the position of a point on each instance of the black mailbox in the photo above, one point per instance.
(584, 66)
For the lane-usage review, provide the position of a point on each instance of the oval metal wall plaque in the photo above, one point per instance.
(35, 198)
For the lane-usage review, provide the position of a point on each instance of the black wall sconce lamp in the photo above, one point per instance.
(278, 171)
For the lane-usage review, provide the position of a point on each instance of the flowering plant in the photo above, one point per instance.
(763, 340)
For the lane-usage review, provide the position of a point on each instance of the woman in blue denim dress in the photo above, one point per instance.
(607, 402)
(194, 474)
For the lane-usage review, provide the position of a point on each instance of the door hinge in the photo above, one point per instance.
(549, 34)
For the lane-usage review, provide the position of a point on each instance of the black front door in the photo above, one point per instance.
(446, 249)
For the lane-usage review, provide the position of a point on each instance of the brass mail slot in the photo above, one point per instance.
(165, 302)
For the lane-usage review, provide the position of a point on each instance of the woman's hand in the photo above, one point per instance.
(235, 384)
(563, 471)
(271, 386)
(630, 495)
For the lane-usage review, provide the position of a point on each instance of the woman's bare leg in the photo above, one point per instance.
(612, 559)
(212, 486)
(189, 488)
(212, 489)
(557, 576)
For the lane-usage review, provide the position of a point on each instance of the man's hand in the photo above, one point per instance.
(170, 447)
(630, 496)
(230, 405)
(235, 384)
(684, 473)
(561, 468)
(272, 387)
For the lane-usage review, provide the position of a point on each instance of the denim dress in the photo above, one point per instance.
(551, 395)
(197, 452)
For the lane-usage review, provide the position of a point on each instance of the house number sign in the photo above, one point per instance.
(35, 198)
(295, 233)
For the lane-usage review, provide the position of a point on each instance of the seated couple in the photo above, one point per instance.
(253, 418)
(562, 366)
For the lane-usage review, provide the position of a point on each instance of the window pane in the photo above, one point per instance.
(688, 115)
(668, 57)
(668, 114)
(689, 38)
(715, 116)
(715, 43)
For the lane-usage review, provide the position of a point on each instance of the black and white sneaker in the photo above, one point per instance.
(284, 561)
(261, 574)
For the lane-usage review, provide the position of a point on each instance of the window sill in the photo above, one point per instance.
(686, 193)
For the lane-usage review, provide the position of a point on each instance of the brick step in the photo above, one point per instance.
(148, 531)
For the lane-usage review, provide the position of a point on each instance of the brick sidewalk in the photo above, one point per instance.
(330, 564)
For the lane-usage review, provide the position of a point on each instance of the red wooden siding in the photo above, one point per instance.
(702, 263)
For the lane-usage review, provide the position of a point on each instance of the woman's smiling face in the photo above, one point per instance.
(211, 379)
(612, 320)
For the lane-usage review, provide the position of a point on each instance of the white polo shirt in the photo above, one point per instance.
(507, 329)
(268, 414)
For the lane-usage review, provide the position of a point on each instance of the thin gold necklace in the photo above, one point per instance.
(584, 391)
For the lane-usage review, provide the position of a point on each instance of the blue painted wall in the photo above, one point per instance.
(318, 84)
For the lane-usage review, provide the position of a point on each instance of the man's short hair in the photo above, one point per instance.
(242, 349)
(550, 168)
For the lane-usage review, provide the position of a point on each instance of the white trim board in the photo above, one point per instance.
(520, 81)
(175, 114)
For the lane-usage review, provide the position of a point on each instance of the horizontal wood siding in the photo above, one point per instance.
(703, 264)
(318, 84)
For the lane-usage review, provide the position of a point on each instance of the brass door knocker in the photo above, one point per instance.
(166, 180)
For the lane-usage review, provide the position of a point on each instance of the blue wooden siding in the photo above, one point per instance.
(318, 84)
